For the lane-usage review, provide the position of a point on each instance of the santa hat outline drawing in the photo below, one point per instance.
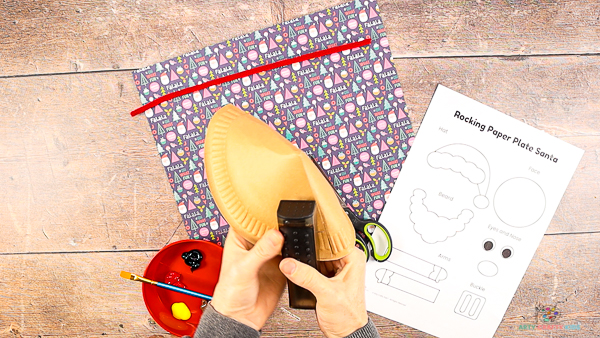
(467, 161)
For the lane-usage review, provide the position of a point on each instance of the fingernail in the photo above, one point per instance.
(288, 267)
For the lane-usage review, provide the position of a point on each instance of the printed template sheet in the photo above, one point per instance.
(472, 203)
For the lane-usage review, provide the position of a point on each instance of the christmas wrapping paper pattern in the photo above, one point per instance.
(345, 109)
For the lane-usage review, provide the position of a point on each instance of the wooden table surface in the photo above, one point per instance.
(84, 196)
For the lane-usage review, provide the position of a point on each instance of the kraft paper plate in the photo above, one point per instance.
(251, 168)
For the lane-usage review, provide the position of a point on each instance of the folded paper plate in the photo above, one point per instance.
(251, 168)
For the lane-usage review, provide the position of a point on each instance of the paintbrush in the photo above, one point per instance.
(131, 276)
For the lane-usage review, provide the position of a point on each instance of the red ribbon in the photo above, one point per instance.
(249, 72)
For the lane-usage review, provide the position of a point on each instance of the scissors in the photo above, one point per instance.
(371, 236)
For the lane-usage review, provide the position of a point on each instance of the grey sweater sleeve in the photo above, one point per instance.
(215, 325)
(367, 331)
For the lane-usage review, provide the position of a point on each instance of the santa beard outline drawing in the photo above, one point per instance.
(432, 227)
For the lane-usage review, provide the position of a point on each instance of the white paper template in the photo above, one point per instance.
(470, 207)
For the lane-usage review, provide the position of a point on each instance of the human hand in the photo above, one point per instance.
(250, 283)
(341, 306)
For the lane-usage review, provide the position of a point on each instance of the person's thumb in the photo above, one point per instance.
(304, 275)
(267, 247)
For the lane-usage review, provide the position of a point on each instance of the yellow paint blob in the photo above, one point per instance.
(181, 311)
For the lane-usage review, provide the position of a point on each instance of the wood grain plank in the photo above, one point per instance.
(429, 28)
(59, 295)
(72, 294)
(554, 94)
(79, 174)
(70, 36)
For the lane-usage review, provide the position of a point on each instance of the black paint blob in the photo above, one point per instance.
(192, 259)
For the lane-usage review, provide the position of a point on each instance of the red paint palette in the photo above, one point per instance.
(203, 280)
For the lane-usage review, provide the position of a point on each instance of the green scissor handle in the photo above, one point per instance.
(369, 229)
(362, 245)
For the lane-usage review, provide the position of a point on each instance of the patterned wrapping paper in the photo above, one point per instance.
(345, 109)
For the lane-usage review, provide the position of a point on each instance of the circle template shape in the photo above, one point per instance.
(519, 202)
